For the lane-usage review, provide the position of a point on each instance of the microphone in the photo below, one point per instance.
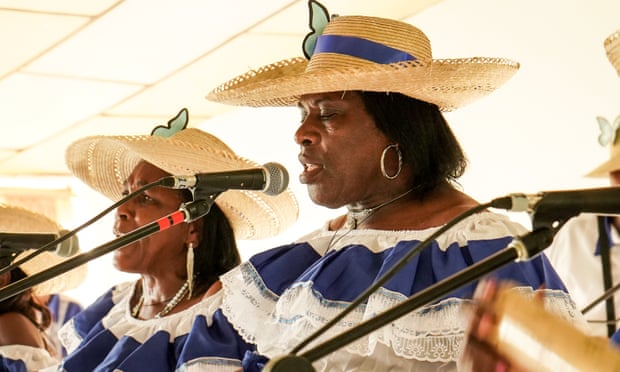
(18, 242)
(605, 200)
(559, 206)
(271, 179)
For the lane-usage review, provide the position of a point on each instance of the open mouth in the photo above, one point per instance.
(311, 167)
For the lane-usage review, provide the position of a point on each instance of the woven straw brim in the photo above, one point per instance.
(613, 164)
(105, 162)
(448, 83)
(612, 47)
(603, 170)
(19, 220)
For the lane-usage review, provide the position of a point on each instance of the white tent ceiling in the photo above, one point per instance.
(73, 68)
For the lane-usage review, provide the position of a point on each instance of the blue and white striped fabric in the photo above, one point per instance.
(283, 295)
(105, 337)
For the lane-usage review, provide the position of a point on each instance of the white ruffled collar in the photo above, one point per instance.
(120, 322)
(483, 225)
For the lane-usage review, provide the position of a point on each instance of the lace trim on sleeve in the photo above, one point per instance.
(433, 333)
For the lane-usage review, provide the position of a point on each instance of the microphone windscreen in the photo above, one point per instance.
(68, 247)
(277, 178)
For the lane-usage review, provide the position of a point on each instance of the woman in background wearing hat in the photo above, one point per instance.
(576, 251)
(24, 343)
(372, 138)
(165, 321)
(576, 254)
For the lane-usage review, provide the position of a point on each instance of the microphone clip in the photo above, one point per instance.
(199, 207)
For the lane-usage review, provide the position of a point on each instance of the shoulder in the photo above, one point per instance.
(15, 328)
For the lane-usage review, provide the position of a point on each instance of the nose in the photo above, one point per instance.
(124, 212)
(307, 133)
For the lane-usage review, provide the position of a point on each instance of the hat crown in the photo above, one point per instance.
(373, 39)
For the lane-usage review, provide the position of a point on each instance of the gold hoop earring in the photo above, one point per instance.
(400, 161)
(190, 269)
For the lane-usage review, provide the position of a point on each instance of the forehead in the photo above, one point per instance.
(315, 99)
(145, 172)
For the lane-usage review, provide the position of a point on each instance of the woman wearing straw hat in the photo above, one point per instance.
(372, 138)
(577, 253)
(165, 320)
(24, 343)
(588, 265)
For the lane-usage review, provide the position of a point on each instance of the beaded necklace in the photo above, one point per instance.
(135, 312)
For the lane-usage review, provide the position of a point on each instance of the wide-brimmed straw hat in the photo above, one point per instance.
(105, 162)
(609, 130)
(612, 47)
(369, 54)
(20, 220)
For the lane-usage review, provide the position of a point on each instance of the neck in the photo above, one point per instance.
(406, 213)
(167, 305)
(356, 217)
(157, 289)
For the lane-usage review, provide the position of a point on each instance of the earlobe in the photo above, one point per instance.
(194, 232)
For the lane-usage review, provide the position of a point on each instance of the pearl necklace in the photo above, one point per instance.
(135, 312)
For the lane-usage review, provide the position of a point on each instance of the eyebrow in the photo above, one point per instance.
(139, 183)
(323, 98)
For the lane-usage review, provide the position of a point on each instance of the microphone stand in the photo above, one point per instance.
(608, 293)
(520, 249)
(187, 213)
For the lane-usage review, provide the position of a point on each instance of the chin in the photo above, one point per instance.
(316, 199)
(120, 262)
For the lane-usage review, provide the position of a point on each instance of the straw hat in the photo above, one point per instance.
(612, 47)
(19, 220)
(105, 162)
(609, 131)
(368, 54)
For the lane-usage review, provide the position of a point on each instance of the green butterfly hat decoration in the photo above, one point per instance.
(319, 18)
(175, 125)
(608, 136)
(609, 131)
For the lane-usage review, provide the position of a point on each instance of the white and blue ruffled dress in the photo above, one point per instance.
(105, 337)
(279, 297)
(283, 295)
(22, 358)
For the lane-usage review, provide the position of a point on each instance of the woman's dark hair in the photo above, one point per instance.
(25, 304)
(424, 137)
(217, 252)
